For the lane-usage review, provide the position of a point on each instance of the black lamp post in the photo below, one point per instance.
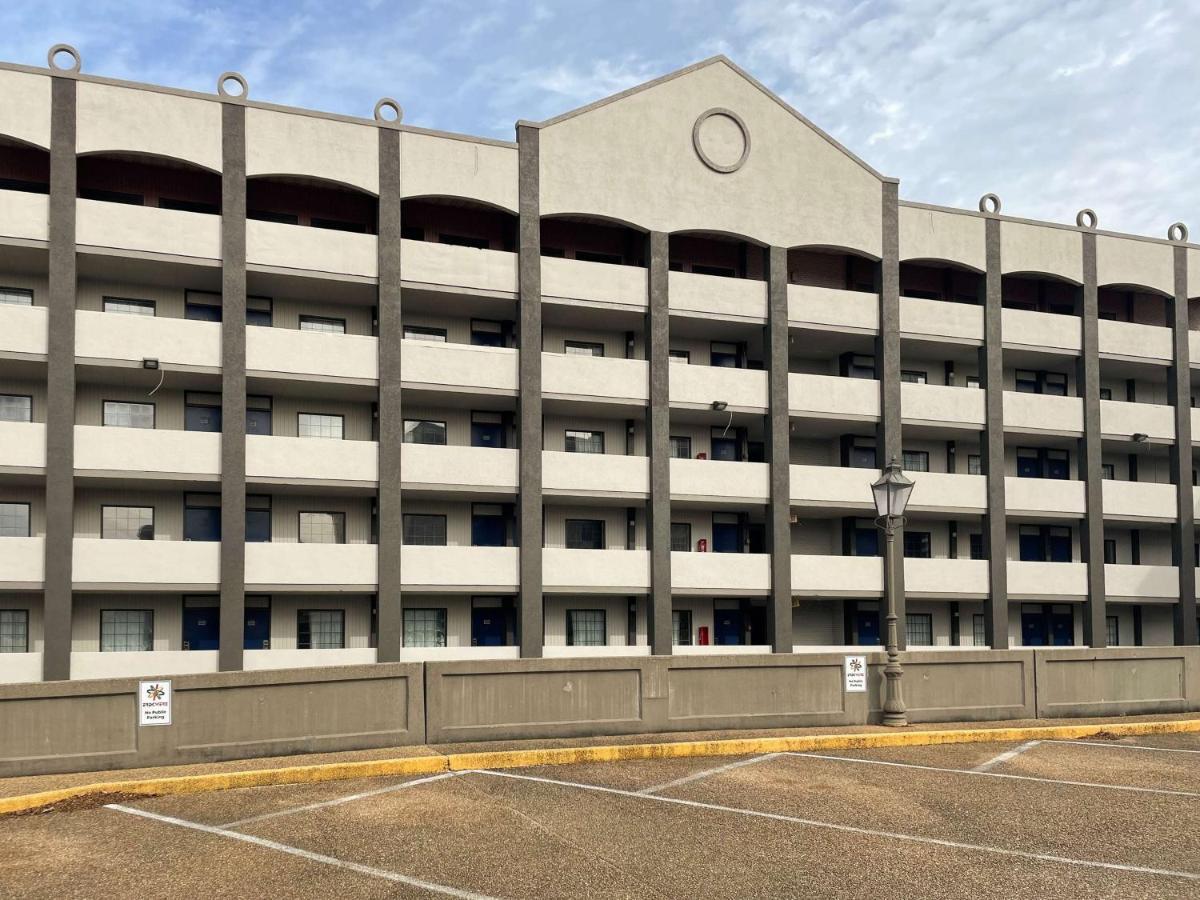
(891, 492)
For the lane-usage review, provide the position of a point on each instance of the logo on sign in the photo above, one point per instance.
(856, 674)
(154, 703)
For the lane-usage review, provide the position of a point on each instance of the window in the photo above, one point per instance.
(681, 627)
(202, 306)
(424, 628)
(723, 448)
(912, 376)
(16, 408)
(979, 630)
(320, 425)
(258, 415)
(584, 441)
(1058, 464)
(917, 544)
(858, 365)
(320, 629)
(201, 412)
(861, 456)
(1110, 551)
(1044, 543)
(10, 296)
(424, 431)
(426, 530)
(976, 541)
(128, 415)
(681, 447)
(14, 631)
(124, 630)
(424, 333)
(1112, 630)
(586, 628)
(323, 324)
(918, 629)
(14, 520)
(1105, 393)
(583, 348)
(680, 356)
(131, 307)
(258, 519)
(974, 464)
(1108, 471)
(1042, 463)
(1038, 382)
(127, 523)
(322, 528)
(724, 355)
(973, 381)
(681, 537)
(1029, 463)
(915, 460)
(585, 534)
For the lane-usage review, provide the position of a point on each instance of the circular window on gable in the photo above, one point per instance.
(721, 140)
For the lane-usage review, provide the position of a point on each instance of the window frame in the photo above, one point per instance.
(13, 612)
(584, 348)
(7, 291)
(153, 414)
(677, 629)
(570, 627)
(978, 630)
(442, 619)
(567, 523)
(419, 422)
(28, 397)
(922, 455)
(679, 356)
(687, 547)
(300, 514)
(135, 302)
(300, 616)
(915, 535)
(306, 319)
(681, 440)
(405, 518)
(571, 437)
(430, 333)
(153, 516)
(923, 620)
(913, 376)
(320, 437)
(28, 516)
(147, 613)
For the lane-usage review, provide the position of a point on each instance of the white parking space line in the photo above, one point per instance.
(1005, 756)
(395, 877)
(696, 776)
(339, 800)
(945, 771)
(852, 829)
(1113, 746)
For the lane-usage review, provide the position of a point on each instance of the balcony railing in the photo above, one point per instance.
(819, 307)
(278, 245)
(934, 404)
(22, 563)
(311, 460)
(175, 343)
(147, 229)
(940, 320)
(1121, 420)
(154, 453)
(1130, 340)
(483, 469)
(1043, 414)
(698, 386)
(1140, 501)
(24, 216)
(23, 331)
(831, 397)
(720, 573)
(281, 566)
(146, 565)
(449, 266)
(22, 447)
(607, 571)
(595, 475)
(286, 351)
(458, 367)
(718, 480)
(464, 569)
(594, 282)
(1025, 329)
(601, 379)
(713, 296)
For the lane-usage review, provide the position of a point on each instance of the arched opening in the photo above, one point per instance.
(935, 279)
(1040, 293)
(1134, 303)
(593, 240)
(312, 202)
(833, 267)
(23, 167)
(140, 179)
(459, 222)
(708, 253)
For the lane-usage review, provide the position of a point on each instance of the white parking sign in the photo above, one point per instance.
(154, 703)
(856, 674)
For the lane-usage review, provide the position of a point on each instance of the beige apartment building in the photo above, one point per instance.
(282, 388)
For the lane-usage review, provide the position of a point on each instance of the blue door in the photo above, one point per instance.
(727, 627)
(1033, 629)
(866, 542)
(257, 632)
(487, 434)
(867, 625)
(487, 531)
(201, 523)
(1062, 628)
(488, 627)
(201, 627)
(725, 538)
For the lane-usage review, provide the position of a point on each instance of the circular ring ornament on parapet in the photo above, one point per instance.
(990, 203)
(76, 59)
(698, 138)
(1178, 232)
(387, 103)
(236, 78)
(1087, 218)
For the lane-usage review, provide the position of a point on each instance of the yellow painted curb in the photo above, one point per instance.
(557, 756)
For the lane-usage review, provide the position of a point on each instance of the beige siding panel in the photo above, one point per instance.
(168, 404)
(168, 510)
(816, 537)
(168, 301)
(616, 618)
(612, 516)
(286, 312)
(556, 427)
(285, 609)
(817, 622)
(554, 340)
(286, 509)
(458, 330)
(168, 618)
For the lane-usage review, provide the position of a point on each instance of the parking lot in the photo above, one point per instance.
(1113, 818)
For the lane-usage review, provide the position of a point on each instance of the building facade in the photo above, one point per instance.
(280, 388)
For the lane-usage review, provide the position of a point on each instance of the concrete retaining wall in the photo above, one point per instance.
(1117, 681)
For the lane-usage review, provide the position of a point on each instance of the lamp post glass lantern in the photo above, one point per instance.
(891, 492)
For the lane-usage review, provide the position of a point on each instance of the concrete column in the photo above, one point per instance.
(658, 442)
(779, 529)
(1091, 537)
(389, 623)
(529, 398)
(991, 370)
(233, 384)
(887, 369)
(57, 599)
(1179, 392)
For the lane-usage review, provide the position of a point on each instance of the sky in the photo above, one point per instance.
(1055, 106)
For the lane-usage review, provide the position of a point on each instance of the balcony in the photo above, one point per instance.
(1043, 414)
(958, 579)
(445, 468)
(696, 387)
(126, 340)
(465, 569)
(935, 404)
(726, 574)
(146, 565)
(147, 229)
(339, 567)
(830, 308)
(20, 668)
(831, 397)
(23, 331)
(295, 460)
(601, 379)
(276, 245)
(942, 492)
(596, 571)
(604, 284)
(146, 664)
(1141, 582)
(1139, 501)
(595, 475)
(715, 297)
(939, 320)
(24, 216)
(720, 481)
(1120, 420)
(1047, 581)
(22, 447)
(450, 267)
(1045, 332)
(837, 576)
(831, 486)
(22, 563)
(1052, 497)
(458, 367)
(258, 660)
(146, 452)
(1129, 340)
(306, 354)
